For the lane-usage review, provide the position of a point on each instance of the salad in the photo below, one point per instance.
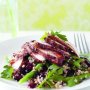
(49, 63)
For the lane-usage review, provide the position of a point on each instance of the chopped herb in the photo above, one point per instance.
(63, 37)
(72, 81)
(44, 36)
(7, 72)
(51, 70)
(75, 61)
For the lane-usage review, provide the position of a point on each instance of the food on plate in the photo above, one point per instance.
(49, 63)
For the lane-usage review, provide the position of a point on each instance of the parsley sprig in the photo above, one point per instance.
(56, 33)
(7, 72)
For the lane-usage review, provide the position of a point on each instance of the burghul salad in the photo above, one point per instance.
(49, 63)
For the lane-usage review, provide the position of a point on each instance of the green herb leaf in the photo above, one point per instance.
(76, 61)
(57, 75)
(53, 67)
(63, 37)
(51, 70)
(7, 72)
(72, 81)
(44, 36)
(50, 83)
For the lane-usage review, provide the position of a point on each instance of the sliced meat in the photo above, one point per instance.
(53, 48)
(17, 64)
(50, 55)
(37, 57)
(23, 52)
(55, 44)
(20, 54)
(69, 48)
(32, 51)
(24, 67)
(17, 57)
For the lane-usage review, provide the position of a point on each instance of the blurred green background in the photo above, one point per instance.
(19, 15)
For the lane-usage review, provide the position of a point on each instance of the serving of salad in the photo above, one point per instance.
(50, 63)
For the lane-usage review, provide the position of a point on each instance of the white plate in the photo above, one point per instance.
(7, 48)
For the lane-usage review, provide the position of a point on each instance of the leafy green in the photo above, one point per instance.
(57, 76)
(51, 70)
(50, 83)
(53, 67)
(63, 37)
(7, 72)
(54, 72)
(71, 81)
(44, 36)
(77, 61)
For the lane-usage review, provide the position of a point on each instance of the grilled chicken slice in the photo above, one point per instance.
(47, 52)
(55, 44)
(59, 41)
(27, 49)
(53, 49)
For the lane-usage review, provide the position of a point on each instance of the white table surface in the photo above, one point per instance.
(6, 36)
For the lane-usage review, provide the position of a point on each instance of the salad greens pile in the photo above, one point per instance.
(55, 73)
